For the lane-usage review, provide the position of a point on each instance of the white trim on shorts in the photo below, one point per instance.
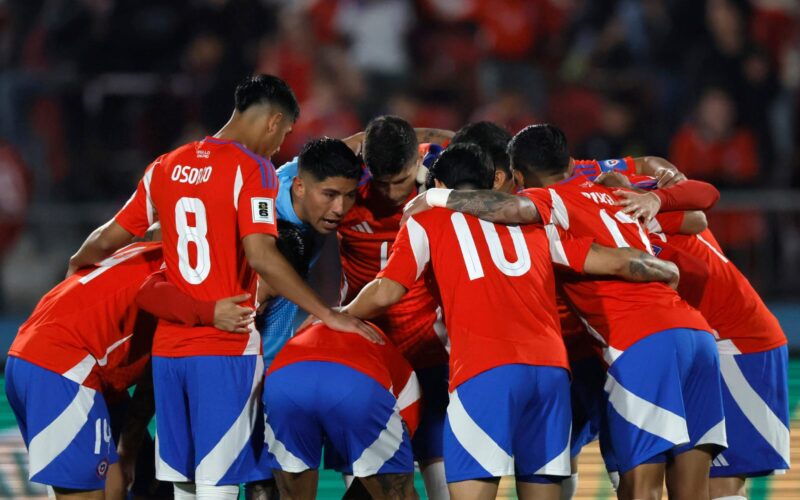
(476, 441)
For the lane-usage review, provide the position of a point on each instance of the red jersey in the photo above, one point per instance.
(366, 235)
(741, 321)
(383, 363)
(88, 328)
(209, 195)
(617, 312)
(497, 287)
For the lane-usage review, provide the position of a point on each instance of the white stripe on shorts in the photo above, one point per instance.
(476, 441)
(645, 415)
(715, 435)
(213, 466)
(560, 465)
(754, 408)
(287, 461)
(382, 449)
(165, 472)
(56, 437)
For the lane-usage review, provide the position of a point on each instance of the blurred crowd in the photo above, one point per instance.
(92, 90)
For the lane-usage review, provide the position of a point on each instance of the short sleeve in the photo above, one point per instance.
(617, 165)
(666, 222)
(256, 203)
(138, 214)
(410, 255)
(566, 250)
(543, 201)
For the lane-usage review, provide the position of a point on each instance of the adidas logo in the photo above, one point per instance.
(362, 227)
(720, 461)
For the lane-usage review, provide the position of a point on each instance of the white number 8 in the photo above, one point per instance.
(192, 234)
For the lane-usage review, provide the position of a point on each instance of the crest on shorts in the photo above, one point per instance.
(102, 468)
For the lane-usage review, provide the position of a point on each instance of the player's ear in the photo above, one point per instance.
(499, 179)
(571, 166)
(274, 121)
(298, 187)
(439, 184)
(519, 179)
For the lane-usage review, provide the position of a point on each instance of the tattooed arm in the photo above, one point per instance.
(631, 265)
(492, 206)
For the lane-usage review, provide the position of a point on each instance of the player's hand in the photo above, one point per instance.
(310, 320)
(643, 206)
(350, 324)
(415, 206)
(668, 177)
(613, 179)
(229, 316)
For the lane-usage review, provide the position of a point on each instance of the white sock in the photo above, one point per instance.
(614, 478)
(227, 492)
(184, 491)
(435, 482)
(348, 480)
(732, 497)
(569, 486)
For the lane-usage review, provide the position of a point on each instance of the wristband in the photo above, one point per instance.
(437, 197)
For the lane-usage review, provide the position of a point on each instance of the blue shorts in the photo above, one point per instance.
(428, 440)
(309, 402)
(664, 397)
(206, 419)
(755, 395)
(512, 419)
(65, 426)
(588, 402)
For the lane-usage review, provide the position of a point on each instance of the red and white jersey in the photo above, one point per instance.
(365, 236)
(496, 283)
(208, 195)
(617, 312)
(740, 320)
(382, 363)
(88, 327)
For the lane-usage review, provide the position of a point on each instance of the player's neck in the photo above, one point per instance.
(234, 131)
(549, 180)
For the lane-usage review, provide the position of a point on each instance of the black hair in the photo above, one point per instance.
(390, 143)
(492, 138)
(462, 166)
(539, 149)
(268, 89)
(295, 245)
(327, 157)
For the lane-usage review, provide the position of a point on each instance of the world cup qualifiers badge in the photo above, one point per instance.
(263, 210)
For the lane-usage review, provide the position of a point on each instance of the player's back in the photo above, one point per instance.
(497, 290)
(729, 303)
(620, 312)
(86, 324)
(197, 191)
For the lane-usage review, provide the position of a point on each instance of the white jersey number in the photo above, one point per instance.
(613, 228)
(192, 234)
(470, 252)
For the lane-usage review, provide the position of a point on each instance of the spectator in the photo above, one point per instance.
(712, 147)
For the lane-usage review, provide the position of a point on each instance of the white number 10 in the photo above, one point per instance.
(470, 252)
(192, 234)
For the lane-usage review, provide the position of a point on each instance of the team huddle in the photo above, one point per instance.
(502, 305)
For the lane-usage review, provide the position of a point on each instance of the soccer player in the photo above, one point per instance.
(752, 350)
(215, 199)
(493, 139)
(317, 189)
(391, 154)
(361, 397)
(509, 410)
(84, 341)
(669, 420)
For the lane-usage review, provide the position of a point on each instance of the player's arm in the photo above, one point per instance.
(103, 241)
(377, 296)
(630, 264)
(165, 301)
(685, 195)
(264, 257)
(492, 206)
(660, 168)
(436, 135)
